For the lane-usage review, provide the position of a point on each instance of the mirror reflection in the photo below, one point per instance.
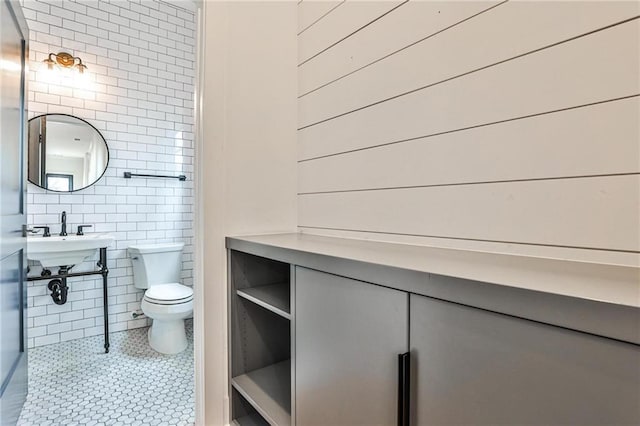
(65, 153)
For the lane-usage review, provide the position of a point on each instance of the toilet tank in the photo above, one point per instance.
(156, 263)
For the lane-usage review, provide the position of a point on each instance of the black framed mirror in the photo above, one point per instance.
(65, 153)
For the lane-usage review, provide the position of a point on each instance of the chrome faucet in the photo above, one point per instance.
(63, 232)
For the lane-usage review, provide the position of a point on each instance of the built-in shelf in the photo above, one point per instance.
(268, 390)
(250, 420)
(260, 340)
(274, 297)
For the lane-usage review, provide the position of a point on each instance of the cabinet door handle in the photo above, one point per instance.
(404, 364)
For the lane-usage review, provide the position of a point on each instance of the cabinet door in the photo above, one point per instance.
(348, 335)
(477, 367)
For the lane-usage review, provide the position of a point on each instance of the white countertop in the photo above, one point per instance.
(614, 284)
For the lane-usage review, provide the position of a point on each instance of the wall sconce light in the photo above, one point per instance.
(65, 60)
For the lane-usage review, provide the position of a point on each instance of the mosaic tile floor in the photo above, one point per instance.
(76, 383)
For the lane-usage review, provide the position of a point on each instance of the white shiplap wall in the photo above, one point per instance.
(495, 126)
(140, 58)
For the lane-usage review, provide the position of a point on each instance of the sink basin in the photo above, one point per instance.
(63, 251)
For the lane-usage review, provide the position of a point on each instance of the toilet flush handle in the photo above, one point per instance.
(134, 258)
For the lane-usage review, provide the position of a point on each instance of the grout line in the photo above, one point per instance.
(403, 48)
(321, 17)
(471, 72)
(476, 126)
(354, 32)
(490, 182)
(470, 239)
(175, 6)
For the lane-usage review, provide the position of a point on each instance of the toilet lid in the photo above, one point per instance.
(169, 293)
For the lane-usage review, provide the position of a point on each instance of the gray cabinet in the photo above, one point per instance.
(348, 335)
(472, 366)
(315, 339)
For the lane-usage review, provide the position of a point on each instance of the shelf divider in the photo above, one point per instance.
(268, 390)
(250, 420)
(274, 297)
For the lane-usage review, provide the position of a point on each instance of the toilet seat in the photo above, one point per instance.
(169, 294)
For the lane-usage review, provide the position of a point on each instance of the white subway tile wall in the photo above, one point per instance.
(139, 93)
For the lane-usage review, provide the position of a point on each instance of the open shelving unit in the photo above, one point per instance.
(274, 297)
(244, 413)
(268, 390)
(253, 419)
(260, 340)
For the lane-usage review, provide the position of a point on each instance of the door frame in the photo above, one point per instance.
(198, 224)
(19, 368)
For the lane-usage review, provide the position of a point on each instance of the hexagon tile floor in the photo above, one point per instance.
(76, 383)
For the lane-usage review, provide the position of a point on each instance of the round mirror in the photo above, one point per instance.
(65, 153)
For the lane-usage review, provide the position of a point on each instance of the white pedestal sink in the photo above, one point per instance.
(64, 251)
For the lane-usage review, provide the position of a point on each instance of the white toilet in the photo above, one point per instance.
(156, 268)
